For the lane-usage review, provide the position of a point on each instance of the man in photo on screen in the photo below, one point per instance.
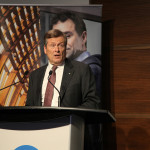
(75, 30)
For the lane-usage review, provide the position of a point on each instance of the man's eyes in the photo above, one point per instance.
(61, 45)
(52, 45)
(68, 35)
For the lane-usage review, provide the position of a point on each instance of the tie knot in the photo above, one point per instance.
(54, 68)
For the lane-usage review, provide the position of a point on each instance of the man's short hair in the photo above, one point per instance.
(53, 34)
(77, 20)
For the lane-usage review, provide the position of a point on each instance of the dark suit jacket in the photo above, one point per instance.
(78, 88)
(94, 61)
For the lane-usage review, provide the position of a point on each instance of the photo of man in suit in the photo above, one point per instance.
(74, 79)
(74, 27)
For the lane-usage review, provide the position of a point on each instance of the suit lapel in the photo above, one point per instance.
(67, 75)
(41, 75)
(40, 81)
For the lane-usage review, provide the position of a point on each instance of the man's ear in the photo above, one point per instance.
(84, 38)
(84, 35)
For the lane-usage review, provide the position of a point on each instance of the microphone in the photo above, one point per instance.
(16, 82)
(59, 98)
(50, 73)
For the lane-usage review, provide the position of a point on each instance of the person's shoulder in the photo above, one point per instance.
(93, 60)
(77, 63)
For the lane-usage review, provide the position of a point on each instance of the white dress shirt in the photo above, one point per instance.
(59, 74)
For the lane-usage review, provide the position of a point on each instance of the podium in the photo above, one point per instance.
(47, 128)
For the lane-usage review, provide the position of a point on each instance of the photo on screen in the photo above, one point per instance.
(22, 30)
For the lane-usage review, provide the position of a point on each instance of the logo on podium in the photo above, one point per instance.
(26, 147)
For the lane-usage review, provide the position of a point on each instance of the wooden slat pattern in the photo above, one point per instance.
(5, 92)
(20, 49)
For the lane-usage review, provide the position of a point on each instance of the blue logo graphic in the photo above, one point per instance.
(26, 147)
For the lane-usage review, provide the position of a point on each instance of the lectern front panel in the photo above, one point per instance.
(53, 134)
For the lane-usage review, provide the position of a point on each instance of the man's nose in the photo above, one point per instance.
(57, 48)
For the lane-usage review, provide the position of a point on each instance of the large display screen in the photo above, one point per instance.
(22, 30)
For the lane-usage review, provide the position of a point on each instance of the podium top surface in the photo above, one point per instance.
(34, 113)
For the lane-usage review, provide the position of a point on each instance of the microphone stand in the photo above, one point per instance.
(16, 82)
(10, 85)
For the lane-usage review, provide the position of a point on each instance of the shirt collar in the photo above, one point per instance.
(82, 56)
(50, 65)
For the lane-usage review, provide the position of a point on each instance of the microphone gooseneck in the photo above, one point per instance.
(22, 81)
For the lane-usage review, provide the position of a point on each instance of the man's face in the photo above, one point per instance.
(75, 43)
(55, 50)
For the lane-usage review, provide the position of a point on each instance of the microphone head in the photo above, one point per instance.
(50, 73)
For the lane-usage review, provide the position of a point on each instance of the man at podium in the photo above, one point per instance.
(62, 82)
